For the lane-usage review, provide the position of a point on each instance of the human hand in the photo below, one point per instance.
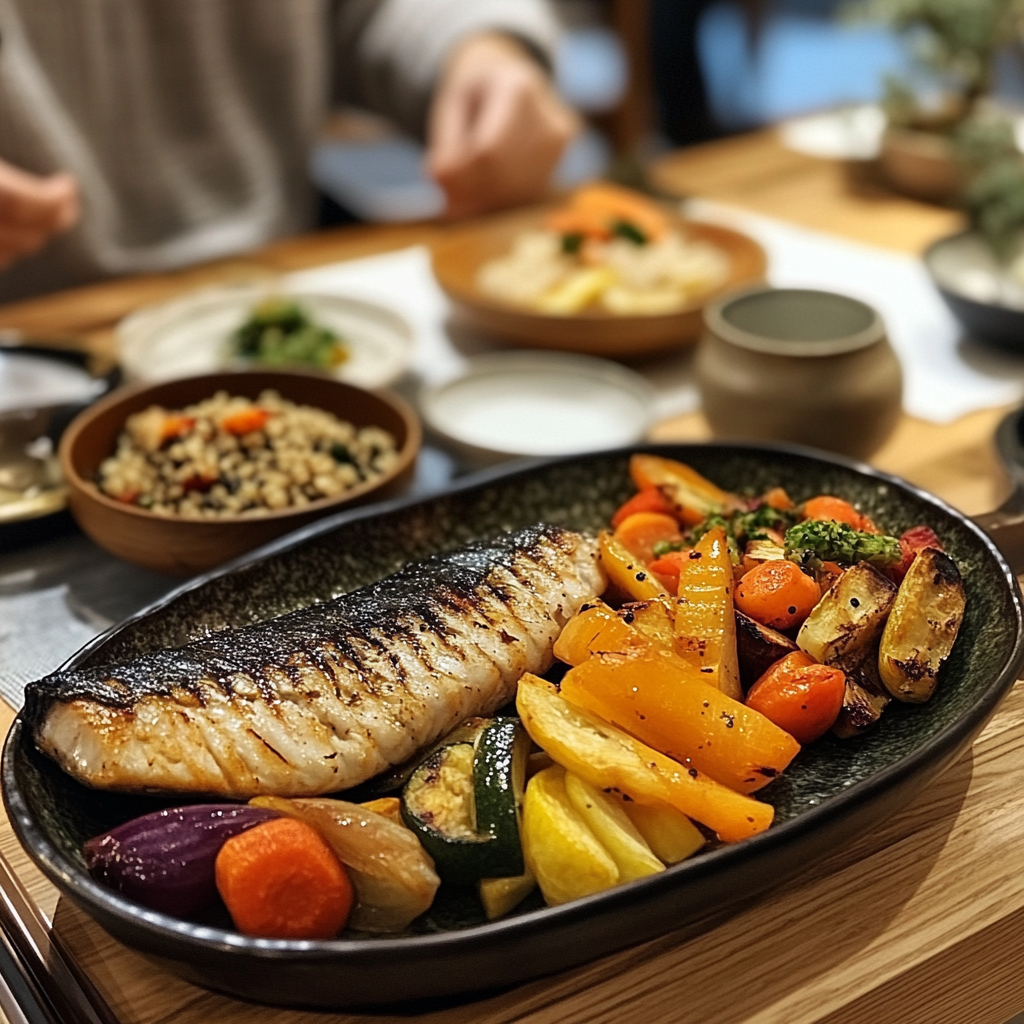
(32, 210)
(497, 127)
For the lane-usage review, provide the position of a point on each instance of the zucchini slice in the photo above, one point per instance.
(499, 778)
(463, 803)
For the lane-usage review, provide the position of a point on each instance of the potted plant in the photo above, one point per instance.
(934, 115)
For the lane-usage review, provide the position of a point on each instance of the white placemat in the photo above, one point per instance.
(946, 375)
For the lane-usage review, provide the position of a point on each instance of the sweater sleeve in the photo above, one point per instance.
(390, 52)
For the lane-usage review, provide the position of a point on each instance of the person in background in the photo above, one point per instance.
(143, 135)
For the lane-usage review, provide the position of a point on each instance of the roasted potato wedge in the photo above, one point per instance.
(848, 620)
(758, 648)
(922, 626)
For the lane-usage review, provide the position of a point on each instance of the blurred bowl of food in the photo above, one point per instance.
(266, 326)
(608, 273)
(985, 293)
(181, 476)
(42, 388)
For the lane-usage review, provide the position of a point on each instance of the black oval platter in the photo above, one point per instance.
(834, 791)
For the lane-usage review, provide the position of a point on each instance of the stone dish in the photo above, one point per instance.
(835, 790)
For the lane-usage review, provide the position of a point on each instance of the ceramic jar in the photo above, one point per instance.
(798, 365)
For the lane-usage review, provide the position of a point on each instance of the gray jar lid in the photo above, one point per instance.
(802, 322)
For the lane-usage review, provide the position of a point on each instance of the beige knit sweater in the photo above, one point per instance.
(189, 122)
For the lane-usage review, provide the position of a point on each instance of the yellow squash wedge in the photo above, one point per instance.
(605, 756)
(626, 571)
(705, 617)
(608, 820)
(670, 835)
(561, 851)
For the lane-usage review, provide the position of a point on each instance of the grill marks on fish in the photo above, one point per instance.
(323, 698)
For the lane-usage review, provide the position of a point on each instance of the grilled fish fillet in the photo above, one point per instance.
(323, 698)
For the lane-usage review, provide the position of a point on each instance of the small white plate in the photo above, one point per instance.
(191, 335)
(539, 403)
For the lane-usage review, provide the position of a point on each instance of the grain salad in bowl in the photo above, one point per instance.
(183, 475)
(230, 455)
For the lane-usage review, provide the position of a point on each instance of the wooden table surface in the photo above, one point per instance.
(919, 922)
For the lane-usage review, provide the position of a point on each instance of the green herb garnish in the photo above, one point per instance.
(824, 540)
(571, 243)
(629, 231)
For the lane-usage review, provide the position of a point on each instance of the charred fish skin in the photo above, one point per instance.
(323, 698)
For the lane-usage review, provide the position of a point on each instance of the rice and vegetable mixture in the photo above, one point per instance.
(235, 456)
(608, 249)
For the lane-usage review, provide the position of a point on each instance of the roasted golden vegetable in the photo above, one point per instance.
(626, 571)
(846, 624)
(665, 704)
(670, 835)
(758, 648)
(594, 630)
(656, 619)
(922, 626)
(705, 617)
(607, 757)
(562, 853)
(692, 496)
(500, 895)
(608, 821)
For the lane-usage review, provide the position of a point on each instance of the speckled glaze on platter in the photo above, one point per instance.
(834, 790)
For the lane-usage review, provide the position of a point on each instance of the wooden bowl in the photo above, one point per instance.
(183, 547)
(457, 261)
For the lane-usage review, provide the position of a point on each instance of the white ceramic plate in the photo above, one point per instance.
(539, 403)
(190, 335)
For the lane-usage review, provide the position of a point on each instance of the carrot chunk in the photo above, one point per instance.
(799, 696)
(777, 594)
(826, 506)
(650, 499)
(246, 421)
(642, 530)
(280, 880)
(668, 567)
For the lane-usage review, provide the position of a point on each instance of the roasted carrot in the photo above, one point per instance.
(667, 569)
(777, 498)
(281, 880)
(642, 530)
(692, 496)
(777, 594)
(650, 499)
(245, 421)
(799, 696)
(826, 506)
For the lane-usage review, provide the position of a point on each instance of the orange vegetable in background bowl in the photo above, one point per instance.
(777, 594)
(650, 499)
(692, 496)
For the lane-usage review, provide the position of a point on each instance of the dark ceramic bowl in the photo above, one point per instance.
(975, 288)
(834, 791)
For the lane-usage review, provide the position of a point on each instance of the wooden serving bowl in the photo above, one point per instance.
(458, 258)
(183, 547)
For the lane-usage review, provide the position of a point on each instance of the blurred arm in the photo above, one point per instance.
(32, 210)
